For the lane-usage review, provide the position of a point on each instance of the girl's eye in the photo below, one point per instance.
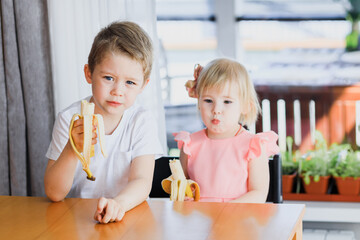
(227, 101)
(208, 100)
(130, 83)
(108, 78)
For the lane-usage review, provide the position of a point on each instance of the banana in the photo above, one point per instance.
(177, 185)
(87, 114)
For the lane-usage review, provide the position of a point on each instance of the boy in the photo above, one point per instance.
(119, 66)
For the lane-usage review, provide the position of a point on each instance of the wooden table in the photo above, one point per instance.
(38, 218)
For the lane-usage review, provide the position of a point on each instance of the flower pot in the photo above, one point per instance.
(319, 187)
(348, 185)
(287, 183)
(352, 39)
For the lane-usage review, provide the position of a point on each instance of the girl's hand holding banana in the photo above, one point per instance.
(82, 135)
(178, 186)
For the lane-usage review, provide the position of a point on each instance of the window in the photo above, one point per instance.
(273, 40)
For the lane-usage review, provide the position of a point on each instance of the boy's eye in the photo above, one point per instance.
(130, 83)
(109, 78)
(208, 100)
(227, 101)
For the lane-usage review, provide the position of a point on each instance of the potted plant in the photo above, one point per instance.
(289, 165)
(346, 172)
(352, 8)
(314, 167)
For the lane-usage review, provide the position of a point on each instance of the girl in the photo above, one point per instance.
(228, 162)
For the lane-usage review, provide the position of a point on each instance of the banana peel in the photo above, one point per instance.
(178, 186)
(90, 119)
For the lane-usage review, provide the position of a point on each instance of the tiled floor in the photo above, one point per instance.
(317, 234)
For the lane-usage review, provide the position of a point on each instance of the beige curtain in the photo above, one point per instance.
(26, 98)
(73, 26)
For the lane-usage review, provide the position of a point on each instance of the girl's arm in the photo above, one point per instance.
(136, 191)
(258, 184)
(184, 160)
(59, 175)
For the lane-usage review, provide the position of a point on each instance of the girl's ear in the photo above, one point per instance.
(246, 108)
(87, 73)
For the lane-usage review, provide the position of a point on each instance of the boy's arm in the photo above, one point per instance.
(59, 174)
(258, 184)
(136, 191)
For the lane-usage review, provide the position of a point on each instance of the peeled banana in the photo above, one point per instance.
(90, 119)
(177, 185)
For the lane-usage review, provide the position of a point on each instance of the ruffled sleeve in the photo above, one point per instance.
(183, 140)
(265, 139)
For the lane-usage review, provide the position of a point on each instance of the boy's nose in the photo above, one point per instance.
(118, 89)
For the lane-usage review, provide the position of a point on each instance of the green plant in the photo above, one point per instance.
(347, 164)
(352, 8)
(289, 161)
(316, 163)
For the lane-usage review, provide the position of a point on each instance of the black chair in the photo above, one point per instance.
(162, 170)
(275, 186)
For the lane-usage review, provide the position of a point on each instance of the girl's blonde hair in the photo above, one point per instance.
(223, 70)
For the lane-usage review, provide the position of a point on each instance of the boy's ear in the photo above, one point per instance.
(87, 73)
(145, 83)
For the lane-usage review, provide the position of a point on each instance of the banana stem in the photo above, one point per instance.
(89, 174)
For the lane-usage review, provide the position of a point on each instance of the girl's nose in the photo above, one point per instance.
(217, 110)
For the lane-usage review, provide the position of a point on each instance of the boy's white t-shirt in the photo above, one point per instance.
(136, 135)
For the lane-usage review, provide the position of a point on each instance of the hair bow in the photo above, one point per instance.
(191, 84)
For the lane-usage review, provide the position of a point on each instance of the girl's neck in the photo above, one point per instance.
(233, 133)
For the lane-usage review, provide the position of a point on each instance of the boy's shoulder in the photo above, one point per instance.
(74, 106)
(72, 109)
(137, 111)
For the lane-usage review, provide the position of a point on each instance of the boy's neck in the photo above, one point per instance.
(111, 124)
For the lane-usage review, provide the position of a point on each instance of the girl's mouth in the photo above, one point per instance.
(215, 121)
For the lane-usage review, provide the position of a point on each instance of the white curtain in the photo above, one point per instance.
(73, 26)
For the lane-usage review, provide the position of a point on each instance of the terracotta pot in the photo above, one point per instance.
(319, 187)
(348, 185)
(287, 183)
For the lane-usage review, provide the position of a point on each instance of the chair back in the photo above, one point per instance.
(275, 185)
(162, 171)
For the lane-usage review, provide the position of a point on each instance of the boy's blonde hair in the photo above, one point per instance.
(222, 70)
(126, 38)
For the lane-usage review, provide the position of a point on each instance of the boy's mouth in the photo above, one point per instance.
(113, 103)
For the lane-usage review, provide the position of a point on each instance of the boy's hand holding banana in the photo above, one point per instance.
(89, 120)
(178, 186)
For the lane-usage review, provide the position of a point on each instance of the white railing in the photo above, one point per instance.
(312, 121)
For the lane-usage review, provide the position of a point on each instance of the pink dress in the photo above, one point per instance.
(220, 166)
